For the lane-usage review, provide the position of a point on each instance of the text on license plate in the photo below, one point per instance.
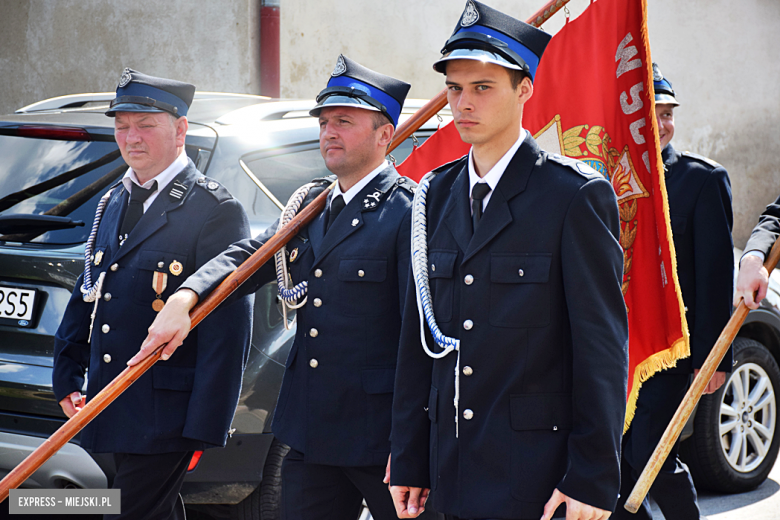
(16, 304)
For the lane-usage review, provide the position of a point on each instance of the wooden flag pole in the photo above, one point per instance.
(130, 374)
(432, 107)
(692, 397)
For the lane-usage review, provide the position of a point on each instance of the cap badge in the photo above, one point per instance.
(657, 76)
(341, 67)
(126, 78)
(176, 268)
(470, 15)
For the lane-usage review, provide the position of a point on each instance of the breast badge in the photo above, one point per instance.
(293, 254)
(176, 268)
(98, 257)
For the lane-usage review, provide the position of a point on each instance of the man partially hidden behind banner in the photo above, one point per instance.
(514, 403)
(351, 264)
(151, 231)
(699, 195)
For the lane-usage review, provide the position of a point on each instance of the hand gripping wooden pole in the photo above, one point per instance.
(130, 374)
(692, 397)
(433, 106)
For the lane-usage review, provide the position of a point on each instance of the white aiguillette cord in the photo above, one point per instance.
(422, 284)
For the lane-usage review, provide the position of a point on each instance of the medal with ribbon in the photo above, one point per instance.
(159, 283)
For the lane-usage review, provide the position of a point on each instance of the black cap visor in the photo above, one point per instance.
(346, 97)
(140, 104)
(662, 98)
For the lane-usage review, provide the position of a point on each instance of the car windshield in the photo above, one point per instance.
(53, 178)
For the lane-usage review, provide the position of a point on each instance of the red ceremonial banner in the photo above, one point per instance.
(594, 101)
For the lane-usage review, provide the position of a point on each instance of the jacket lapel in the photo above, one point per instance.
(351, 217)
(498, 215)
(157, 215)
(457, 211)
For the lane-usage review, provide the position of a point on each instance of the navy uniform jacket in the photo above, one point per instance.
(766, 231)
(184, 403)
(336, 397)
(547, 352)
(699, 195)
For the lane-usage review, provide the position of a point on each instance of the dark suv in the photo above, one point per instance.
(57, 157)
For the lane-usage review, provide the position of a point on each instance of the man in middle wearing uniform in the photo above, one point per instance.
(523, 407)
(336, 398)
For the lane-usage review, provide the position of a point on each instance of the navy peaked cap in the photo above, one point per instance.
(664, 93)
(138, 92)
(487, 35)
(353, 85)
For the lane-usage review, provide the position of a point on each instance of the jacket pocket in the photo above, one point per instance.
(366, 286)
(161, 261)
(441, 271)
(378, 386)
(519, 290)
(541, 424)
(172, 389)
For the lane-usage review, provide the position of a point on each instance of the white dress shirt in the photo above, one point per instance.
(163, 178)
(494, 175)
(359, 185)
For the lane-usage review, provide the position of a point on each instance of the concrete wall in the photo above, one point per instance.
(722, 57)
(52, 48)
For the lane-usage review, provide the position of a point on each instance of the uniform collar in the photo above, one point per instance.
(494, 175)
(163, 178)
(358, 187)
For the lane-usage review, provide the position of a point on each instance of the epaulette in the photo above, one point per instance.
(701, 158)
(216, 189)
(450, 164)
(406, 183)
(578, 166)
(325, 181)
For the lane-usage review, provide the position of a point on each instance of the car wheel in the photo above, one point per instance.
(736, 439)
(265, 502)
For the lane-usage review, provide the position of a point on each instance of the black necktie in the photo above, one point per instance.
(135, 210)
(478, 193)
(335, 208)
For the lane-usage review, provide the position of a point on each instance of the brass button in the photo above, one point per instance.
(468, 324)
(160, 265)
(105, 328)
(318, 273)
(467, 371)
(317, 302)
(361, 273)
(314, 332)
(468, 414)
(468, 280)
(107, 296)
(107, 358)
(521, 272)
(314, 363)
(114, 267)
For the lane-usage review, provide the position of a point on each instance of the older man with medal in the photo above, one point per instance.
(158, 225)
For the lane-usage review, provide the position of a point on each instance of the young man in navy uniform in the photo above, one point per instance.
(153, 229)
(523, 409)
(753, 278)
(699, 195)
(336, 398)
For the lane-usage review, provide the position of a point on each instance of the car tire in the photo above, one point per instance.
(735, 443)
(265, 502)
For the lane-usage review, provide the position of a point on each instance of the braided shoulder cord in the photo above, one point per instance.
(422, 284)
(290, 295)
(88, 290)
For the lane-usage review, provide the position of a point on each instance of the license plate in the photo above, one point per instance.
(17, 306)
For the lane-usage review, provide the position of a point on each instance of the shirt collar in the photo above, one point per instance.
(359, 185)
(162, 178)
(494, 175)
